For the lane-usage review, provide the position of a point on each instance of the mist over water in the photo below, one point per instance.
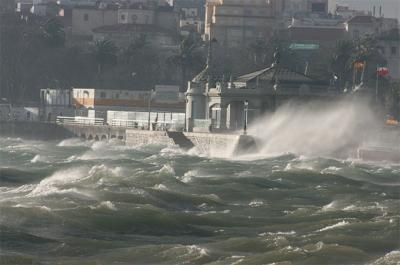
(315, 129)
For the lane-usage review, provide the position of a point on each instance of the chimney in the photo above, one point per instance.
(373, 11)
(380, 11)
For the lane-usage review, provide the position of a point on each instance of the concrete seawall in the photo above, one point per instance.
(214, 144)
(34, 130)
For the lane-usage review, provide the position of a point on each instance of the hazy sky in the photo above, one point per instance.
(390, 8)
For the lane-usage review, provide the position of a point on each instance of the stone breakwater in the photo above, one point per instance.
(215, 144)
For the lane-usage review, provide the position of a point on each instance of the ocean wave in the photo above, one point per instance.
(39, 159)
(167, 169)
(73, 142)
(105, 205)
(334, 226)
(391, 258)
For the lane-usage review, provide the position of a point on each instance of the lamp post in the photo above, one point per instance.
(246, 108)
(149, 106)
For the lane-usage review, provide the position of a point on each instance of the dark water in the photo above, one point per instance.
(100, 203)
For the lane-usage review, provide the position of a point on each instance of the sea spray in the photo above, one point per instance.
(314, 129)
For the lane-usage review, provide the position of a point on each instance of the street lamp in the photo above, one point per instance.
(149, 105)
(246, 108)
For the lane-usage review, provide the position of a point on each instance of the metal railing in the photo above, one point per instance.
(79, 120)
(174, 125)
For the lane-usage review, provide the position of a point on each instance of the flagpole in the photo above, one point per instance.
(377, 84)
(149, 107)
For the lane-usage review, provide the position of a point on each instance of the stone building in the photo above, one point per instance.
(361, 26)
(87, 18)
(235, 23)
(124, 34)
(389, 44)
(219, 106)
(55, 102)
(7, 5)
(292, 7)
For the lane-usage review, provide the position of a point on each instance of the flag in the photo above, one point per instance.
(382, 71)
(359, 65)
(61, 13)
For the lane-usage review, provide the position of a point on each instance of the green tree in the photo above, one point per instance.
(53, 32)
(104, 53)
(188, 58)
(341, 61)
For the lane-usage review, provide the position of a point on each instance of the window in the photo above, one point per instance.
(117, 95)
(86, 17)
(393, 50)
(318, 7)
(248, 12)
(134, 18)
(103, 94)
(122, 17)
(356, 34)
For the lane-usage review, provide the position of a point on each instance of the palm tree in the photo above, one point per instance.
(367, 51)
(133, 48)
(53, 32)
(188, 57)
(104, 53)
(342, 60)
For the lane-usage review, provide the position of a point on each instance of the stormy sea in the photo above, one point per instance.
(85, 202)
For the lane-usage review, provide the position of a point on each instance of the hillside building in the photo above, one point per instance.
(235, 23)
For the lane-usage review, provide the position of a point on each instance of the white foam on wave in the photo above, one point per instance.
(334, 226)
(38, 158)
(166, 169)
(279, 233)
(160, 187)
(330, 170)
(391, 258)
(188, 176)
(72, 142)
(55, 183)
(104, 205)
(193, 249)
(335, 205)
(40, 207)
(301, 166)
(256, 203)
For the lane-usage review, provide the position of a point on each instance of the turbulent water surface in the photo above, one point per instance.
(75, 202)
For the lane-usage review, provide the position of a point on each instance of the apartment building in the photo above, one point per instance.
(235, 23)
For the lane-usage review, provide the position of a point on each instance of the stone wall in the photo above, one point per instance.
(96, 132)
(139, 137)
(33, 130)
(221, 145)
(214, 144)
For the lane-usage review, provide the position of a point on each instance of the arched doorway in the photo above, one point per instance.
(235, 113)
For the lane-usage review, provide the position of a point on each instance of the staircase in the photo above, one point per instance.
(181, 140)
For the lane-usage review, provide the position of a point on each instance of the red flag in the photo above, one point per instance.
(382, 71)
